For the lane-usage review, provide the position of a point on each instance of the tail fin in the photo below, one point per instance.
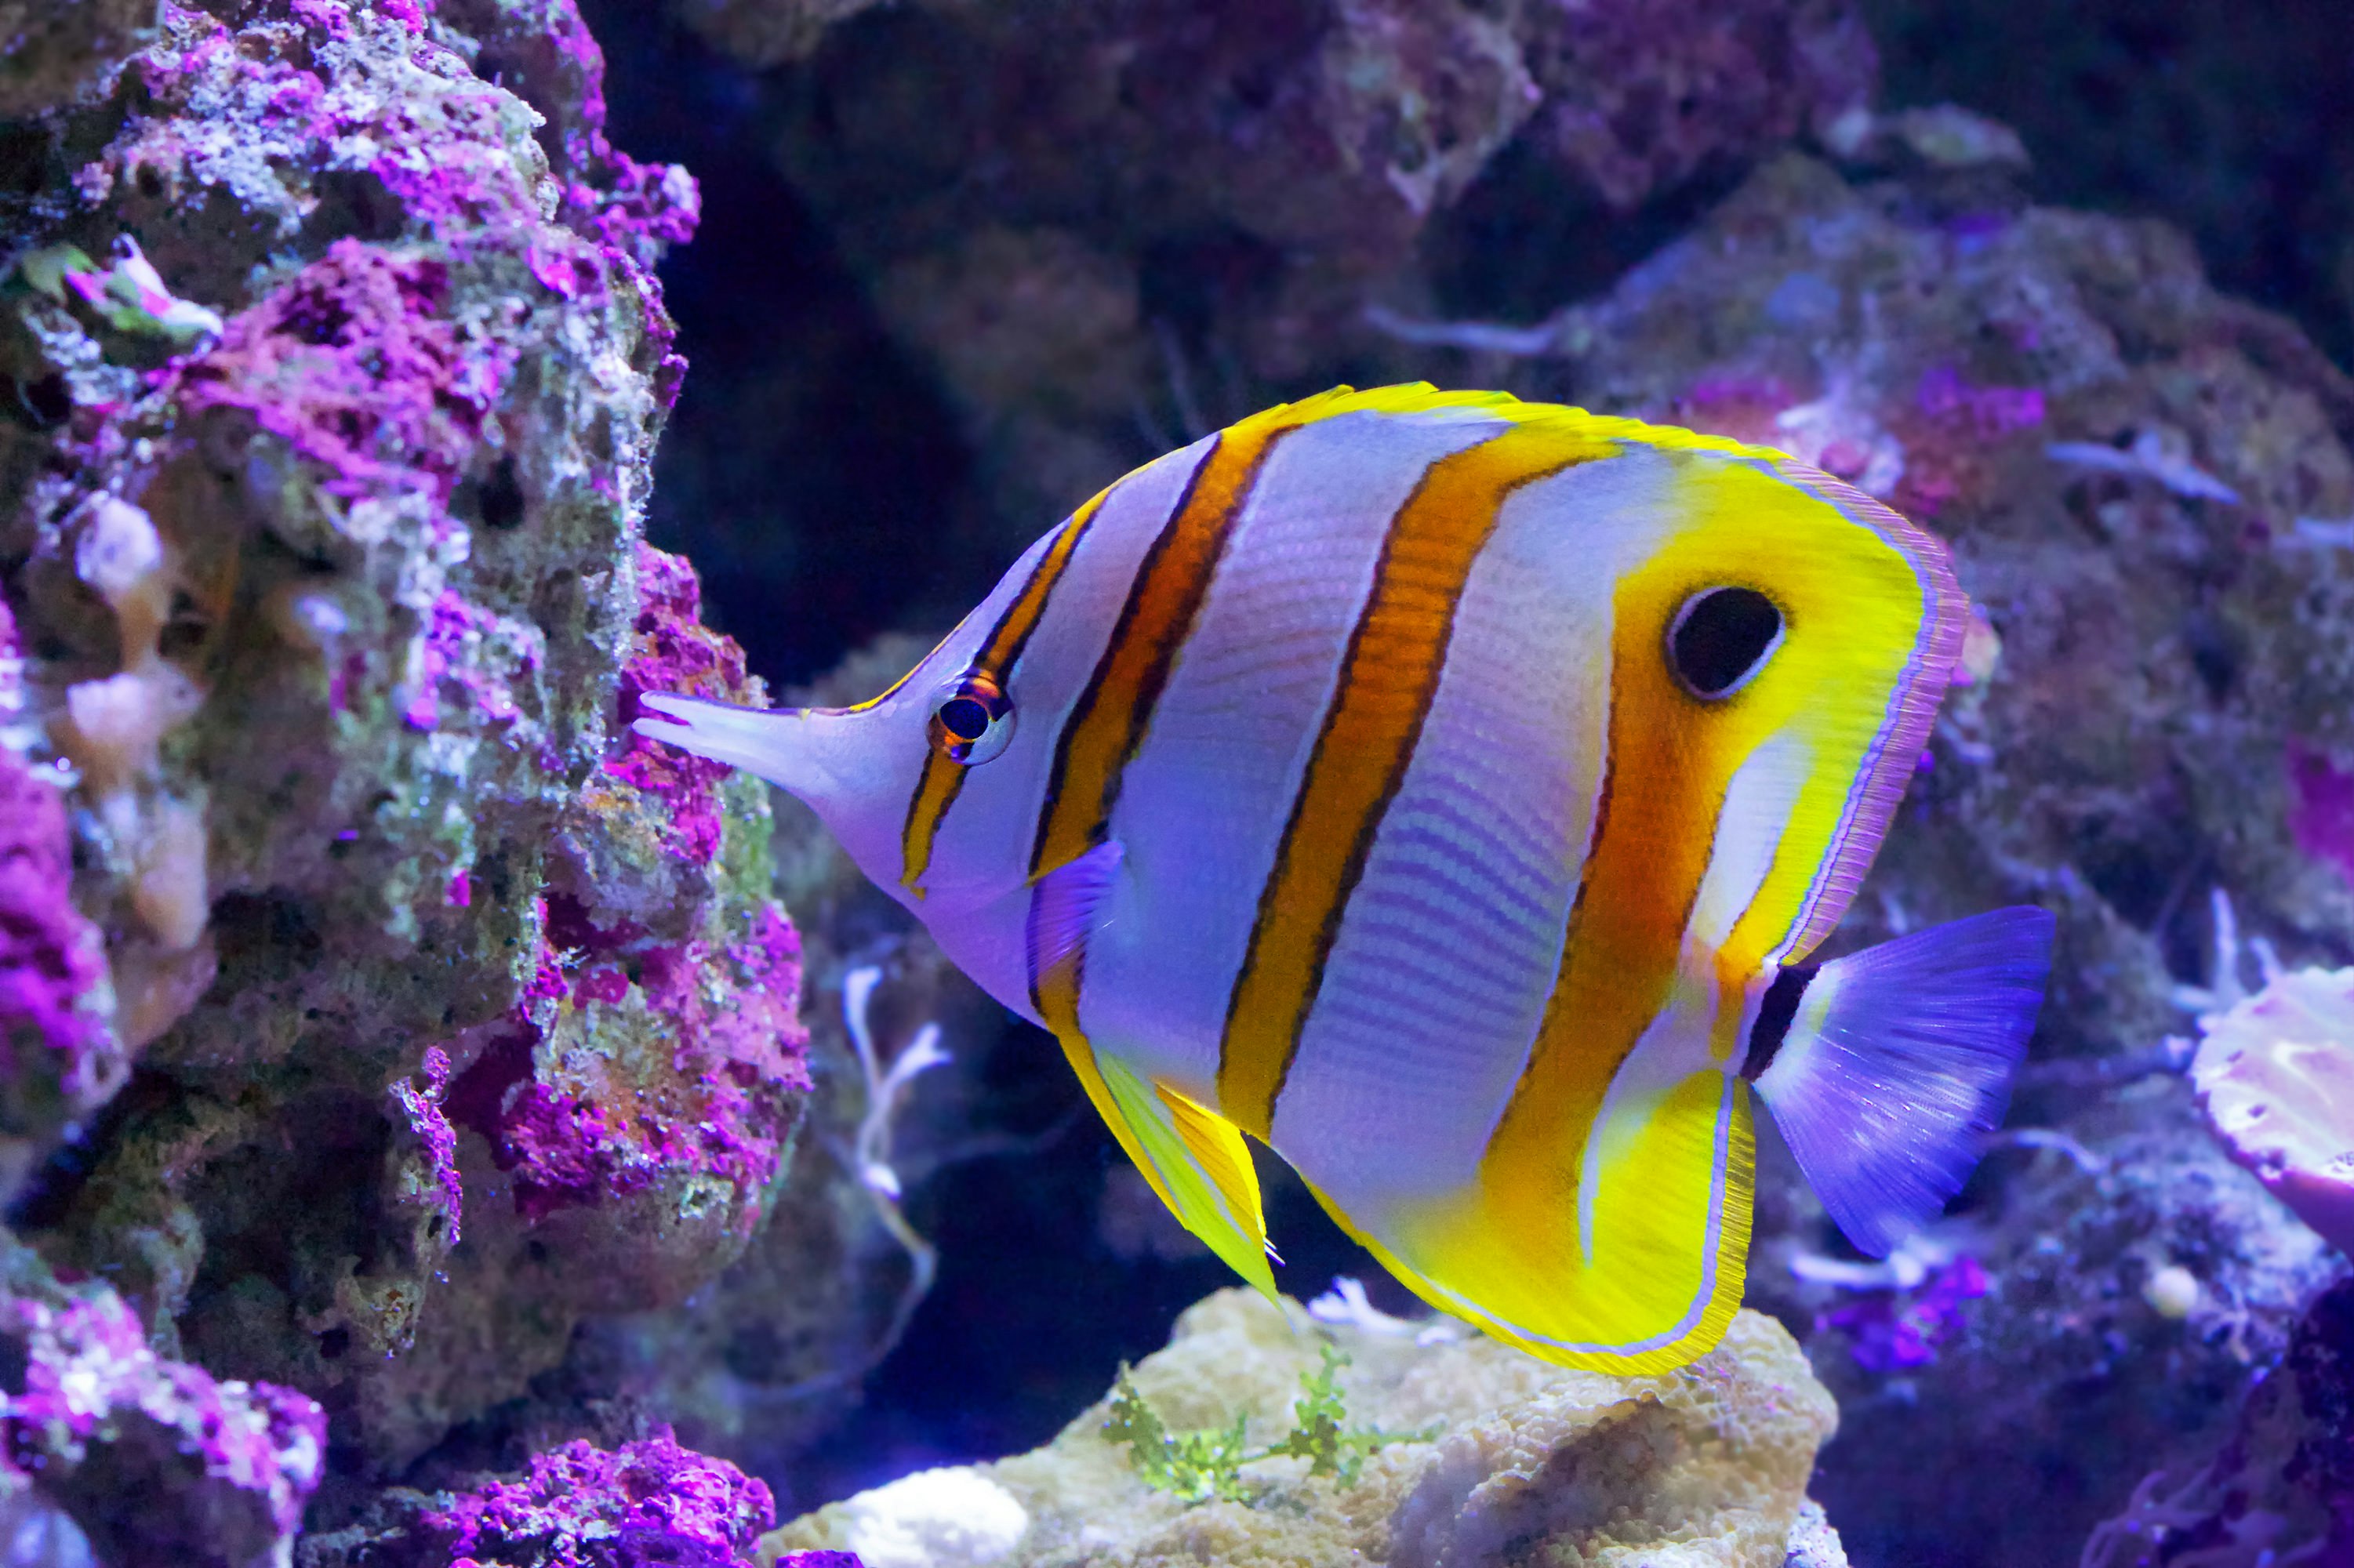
(1898, 1062)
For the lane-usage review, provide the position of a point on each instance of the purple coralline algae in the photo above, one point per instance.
(439, 1188)
(1894, 1330)
(674, 652)
(2275, 1076)
(1638, 98)
(155, 1460)
(356, 365)
(2323, 815)
(574, 1134)
(649, 1502)
(60, 1060)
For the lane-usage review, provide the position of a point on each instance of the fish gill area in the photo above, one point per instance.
(440, 1128)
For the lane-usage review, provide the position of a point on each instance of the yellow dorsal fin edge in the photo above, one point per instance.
(1422, 397)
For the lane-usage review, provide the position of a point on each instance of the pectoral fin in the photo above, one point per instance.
(1067, 906)
(1218, 1150)
(1194, 1157)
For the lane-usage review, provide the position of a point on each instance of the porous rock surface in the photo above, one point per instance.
(376, 1007)
(1089, 220)
(52, 54)
(1513, 1460)
(2280, 1486)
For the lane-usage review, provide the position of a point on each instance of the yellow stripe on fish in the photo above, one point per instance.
(942, 776)
(1447, 792)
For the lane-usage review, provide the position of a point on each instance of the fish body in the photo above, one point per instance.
(1447, 792)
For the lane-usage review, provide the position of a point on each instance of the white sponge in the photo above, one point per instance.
(935, 1519)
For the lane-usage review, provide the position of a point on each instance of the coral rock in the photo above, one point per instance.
(2280, 1489)
(650, 1502)
(52, 54)
(156, 1461)
(1124, 196)
(2051, 1349)
(1638, 97)
(62, 1058)
(1501, 1454)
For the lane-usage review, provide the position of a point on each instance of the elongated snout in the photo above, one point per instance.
(810, 752)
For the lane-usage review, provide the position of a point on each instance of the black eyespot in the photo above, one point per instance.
(1774, 1017)
(971, 719)
(1720, 637)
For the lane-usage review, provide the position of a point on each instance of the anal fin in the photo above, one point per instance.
(1194, 1158)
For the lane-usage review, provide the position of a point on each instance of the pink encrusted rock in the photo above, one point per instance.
(2321, 811)
(674, 651)
(57, 1059)
(1987, 412)
(2275, 1077)
(392, 507)
(155, 1459)
(576, 1129)
(441, 1191)
(355, 366)
(1638, 97)
(1896, 1330)
(649, 1502)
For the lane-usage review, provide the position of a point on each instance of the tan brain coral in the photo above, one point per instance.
(1527, 1463)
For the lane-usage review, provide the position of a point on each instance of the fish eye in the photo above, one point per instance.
(972, 719)
(1720, 637)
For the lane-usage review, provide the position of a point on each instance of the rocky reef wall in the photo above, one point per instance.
(378, 1009)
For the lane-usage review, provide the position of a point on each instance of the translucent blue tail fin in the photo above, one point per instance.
(1897, 1062)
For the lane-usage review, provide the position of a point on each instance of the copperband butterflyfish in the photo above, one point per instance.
(1447, 792)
